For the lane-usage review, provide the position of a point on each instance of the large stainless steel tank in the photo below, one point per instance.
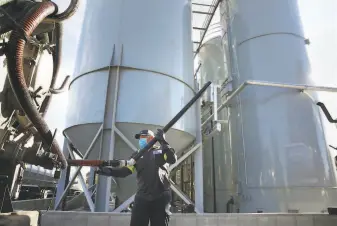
(156, 75)
(284, 165)
(219, 167)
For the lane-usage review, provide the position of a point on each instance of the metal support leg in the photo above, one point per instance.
(198, 165)
(108, 143)
(62, 181)
(82, 182)
(87, 153)
(91, 178)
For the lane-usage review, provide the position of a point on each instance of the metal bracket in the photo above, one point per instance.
(82, 182)
(87, 153)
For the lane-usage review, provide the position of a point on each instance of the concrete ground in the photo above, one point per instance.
(110, 219)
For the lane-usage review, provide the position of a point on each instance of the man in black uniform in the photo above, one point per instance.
(153, 193)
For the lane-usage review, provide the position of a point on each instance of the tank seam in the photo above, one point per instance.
(131, 68)
(270, 34)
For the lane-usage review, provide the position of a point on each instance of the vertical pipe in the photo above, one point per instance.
(198, 162)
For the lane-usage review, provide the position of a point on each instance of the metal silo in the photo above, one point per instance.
(134, 71)
(283, 161)
(219, 167)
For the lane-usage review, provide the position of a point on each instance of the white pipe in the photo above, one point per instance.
(270, 84)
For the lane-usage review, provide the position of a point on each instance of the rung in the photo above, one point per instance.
(200, 4)
(199, 28)
(200, 12)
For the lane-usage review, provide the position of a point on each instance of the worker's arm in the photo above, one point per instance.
(116, 172)
(168, 152)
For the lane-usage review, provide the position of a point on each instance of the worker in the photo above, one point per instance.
(153, 195)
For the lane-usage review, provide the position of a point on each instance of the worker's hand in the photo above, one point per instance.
(100, 171)
(160, 136)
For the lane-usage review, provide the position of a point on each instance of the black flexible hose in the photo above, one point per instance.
(69, 12)
(17, 79)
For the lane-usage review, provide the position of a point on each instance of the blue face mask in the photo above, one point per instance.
(142, 143)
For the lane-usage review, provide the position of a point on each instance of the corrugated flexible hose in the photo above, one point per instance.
(17, 79)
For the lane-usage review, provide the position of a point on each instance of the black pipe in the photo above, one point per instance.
(326, 112)
(228, 204)
(69, 12)
(16, 76)
(173, 121)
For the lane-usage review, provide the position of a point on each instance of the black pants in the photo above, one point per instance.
(145, 211)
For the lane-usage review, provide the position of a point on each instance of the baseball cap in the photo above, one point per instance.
(144, 133)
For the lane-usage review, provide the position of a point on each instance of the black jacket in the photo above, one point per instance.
(152, 171)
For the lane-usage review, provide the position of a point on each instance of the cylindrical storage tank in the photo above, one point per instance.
(151, 41)
(283, 162)
(217, 154)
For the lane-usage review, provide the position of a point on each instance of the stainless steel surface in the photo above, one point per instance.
(283, 161)
(155, 76)
(156, 65)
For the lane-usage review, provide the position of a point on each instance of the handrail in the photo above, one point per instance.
(269, 84)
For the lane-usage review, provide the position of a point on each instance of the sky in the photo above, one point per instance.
(319, 20)
(56, 116)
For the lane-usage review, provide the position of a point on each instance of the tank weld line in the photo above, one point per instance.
(138, 123)
(131, 68)
(273, 33)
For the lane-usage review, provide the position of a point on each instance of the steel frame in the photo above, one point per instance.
(104, 183)
(101, 203)
(78, 170)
